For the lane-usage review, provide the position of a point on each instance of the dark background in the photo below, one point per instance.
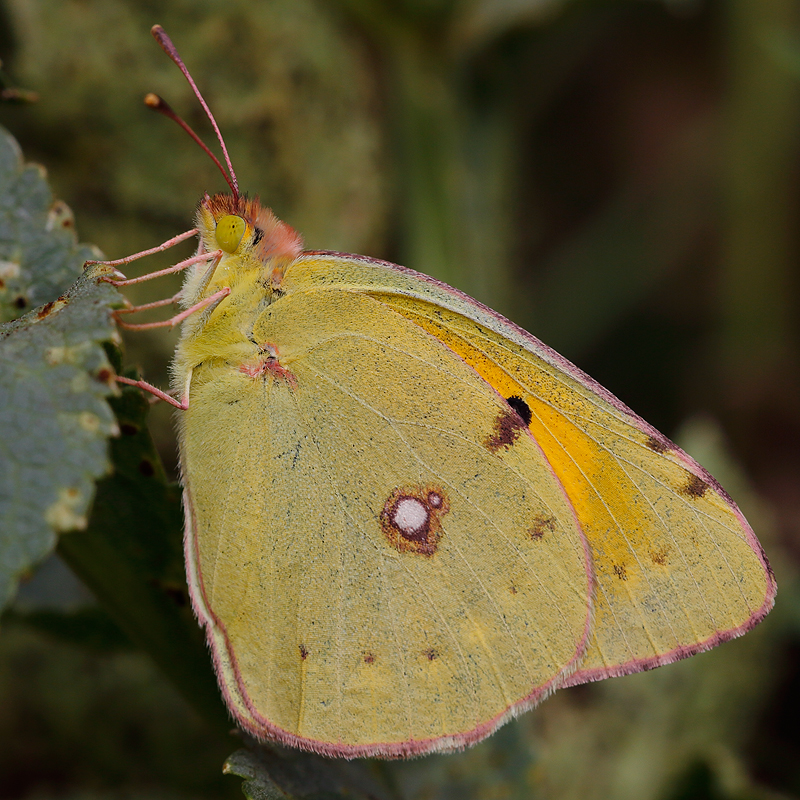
(621, 178)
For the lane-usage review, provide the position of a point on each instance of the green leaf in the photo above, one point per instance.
(257, 783)
(54, 381)
(39, 253)
(54, 374)
(275, 773)
(131, 557)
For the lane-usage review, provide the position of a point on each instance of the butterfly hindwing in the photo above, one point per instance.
(382, 555)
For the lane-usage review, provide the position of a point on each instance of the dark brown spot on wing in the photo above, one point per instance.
(621, 572)
(521, 407)
(660, 556)
(658, 445)
(411, 518)
(542, 524)
(303, 652)
(369, 658)
(695, 487)
(431, 654)
(507, 426)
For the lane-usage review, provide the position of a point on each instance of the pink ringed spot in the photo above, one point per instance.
(411, 519)
(268, 363)
(435, 500)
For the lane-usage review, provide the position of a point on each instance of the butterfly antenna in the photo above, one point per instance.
(163, 107)
(156, 103)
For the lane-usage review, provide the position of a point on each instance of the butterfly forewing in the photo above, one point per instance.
(677, 567)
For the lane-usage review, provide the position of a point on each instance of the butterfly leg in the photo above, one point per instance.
(212, 301)
(131, 309)
(181, 265)
(165, 246)
(172, 321)
(206, 279)
(155, 391)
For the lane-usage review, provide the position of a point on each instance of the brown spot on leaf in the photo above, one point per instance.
(60, 216)
(411, 519)
(45, 310)
(303, 652)
(695, 487)
(542, 524)
(658, 445)
(104, 375)
(621, 572)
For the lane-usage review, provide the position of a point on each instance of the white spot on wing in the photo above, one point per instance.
(410, 515)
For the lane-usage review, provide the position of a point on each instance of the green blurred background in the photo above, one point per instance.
(620, 178)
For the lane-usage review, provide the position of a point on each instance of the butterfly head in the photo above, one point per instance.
(238, 226)
(243, 228)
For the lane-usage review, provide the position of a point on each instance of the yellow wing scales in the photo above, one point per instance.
(326, 632)
(674, 565)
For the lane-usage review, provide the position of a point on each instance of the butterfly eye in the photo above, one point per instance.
(230, 230)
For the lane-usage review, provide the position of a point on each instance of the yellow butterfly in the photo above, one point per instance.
(407, 519)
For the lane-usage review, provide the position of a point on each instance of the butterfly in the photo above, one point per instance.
(407, 519)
